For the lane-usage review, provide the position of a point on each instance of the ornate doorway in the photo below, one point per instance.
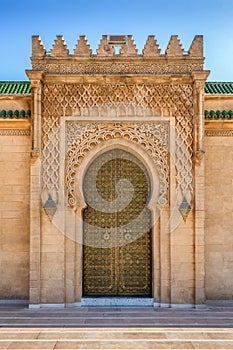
(117, 227)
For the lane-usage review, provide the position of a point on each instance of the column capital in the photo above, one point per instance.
(199, 79)
(200, 75)
(35, 77)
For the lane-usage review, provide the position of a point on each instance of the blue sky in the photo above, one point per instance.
(71, 18)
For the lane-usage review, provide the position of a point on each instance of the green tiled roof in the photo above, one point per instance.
(219, 114)
(15, 114)
(219, 87)
(15, 87)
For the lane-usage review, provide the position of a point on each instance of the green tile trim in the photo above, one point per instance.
(15, 87)
(219, 87)
(15, 114)
(218, 114)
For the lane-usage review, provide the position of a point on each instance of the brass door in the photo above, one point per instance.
(117, 227)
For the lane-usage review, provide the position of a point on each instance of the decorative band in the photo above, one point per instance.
(219, 133)
(13, 132)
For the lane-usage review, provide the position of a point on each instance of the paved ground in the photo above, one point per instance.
(116, 328)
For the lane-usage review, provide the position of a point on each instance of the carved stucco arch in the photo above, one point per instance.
(125, 145)
(147, 141)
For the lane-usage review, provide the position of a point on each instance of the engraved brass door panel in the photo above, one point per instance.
(117, 227)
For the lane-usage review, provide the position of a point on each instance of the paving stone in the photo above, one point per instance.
(163, 329)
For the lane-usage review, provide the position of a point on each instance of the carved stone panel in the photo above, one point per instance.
(113, 100)
(82, 137)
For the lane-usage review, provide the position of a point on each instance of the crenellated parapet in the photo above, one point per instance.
(82, 48)
(59, 47)
(117, 57)
(151, 47)
(174, 48)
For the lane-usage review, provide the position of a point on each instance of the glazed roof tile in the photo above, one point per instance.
(15, 87)
(219, 87)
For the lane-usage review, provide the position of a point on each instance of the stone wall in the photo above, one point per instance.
(219, 217)
(218, 102)
(14, 216)
(15, 146)
(218, 202)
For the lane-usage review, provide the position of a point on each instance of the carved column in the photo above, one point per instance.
(199, 178)
(35, 190)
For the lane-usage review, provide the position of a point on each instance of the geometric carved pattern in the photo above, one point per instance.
(14, 132)
(116, 67)
(184, 144)
(60, 99)
(50, 156)
(82, 137)
(219, 133)
(70, 99)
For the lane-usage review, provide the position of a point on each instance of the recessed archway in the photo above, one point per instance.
(153, 178)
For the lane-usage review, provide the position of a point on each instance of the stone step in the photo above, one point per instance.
(110, 317)
(111, 338)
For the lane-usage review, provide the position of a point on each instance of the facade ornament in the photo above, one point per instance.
(105, 49)
(59, 47)
(196, 48)
(129, 49)
(82, 48)
(38, 49)
(14, 132)
(35, 153)
(199, 156)
(50, 207)
(151, 48)
(174, 48)
(147, 99)
(184, 209)
(83, 137)
(218, 133)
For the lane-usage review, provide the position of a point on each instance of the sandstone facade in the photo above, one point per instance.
(159, 108)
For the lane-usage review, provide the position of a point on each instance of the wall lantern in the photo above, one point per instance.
(184, 209)
(50, 207)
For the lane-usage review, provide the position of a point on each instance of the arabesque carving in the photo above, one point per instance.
(71, 99)
(162, 67)
(128, 61)
(82, 137)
